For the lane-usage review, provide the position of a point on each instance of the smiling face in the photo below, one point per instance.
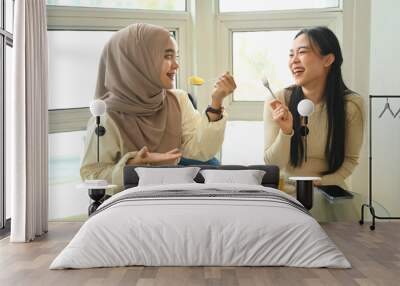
(306, 63)
(169, 64)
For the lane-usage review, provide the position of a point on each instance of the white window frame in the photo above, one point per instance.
(230, 22)
(6, 40)
(110, 19)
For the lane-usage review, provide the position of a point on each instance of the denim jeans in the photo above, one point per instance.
(186, 162)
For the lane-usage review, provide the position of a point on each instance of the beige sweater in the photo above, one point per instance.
(277, 144)
(201, 140)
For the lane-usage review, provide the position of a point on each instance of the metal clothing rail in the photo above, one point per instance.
(369, 205)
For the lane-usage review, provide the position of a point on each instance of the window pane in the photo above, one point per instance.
(73, 62)
(3, 137)
(258, 54)
(73, 65)
(8, 82)
(268, 5)
(174, 5)
(9, 15)
(65, 200)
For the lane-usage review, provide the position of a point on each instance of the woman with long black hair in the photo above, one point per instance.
(336, 126)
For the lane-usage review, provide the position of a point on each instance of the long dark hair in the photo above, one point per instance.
(335, 90)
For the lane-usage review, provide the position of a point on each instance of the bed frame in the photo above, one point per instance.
(270, 179)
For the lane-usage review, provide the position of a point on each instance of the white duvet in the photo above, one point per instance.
(200, 231)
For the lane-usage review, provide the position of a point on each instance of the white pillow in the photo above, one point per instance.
(164, 176)
(248, 177)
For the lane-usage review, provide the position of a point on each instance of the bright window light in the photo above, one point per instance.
(73, 63)
(271, 5)
(65, 200)
(172, 5)
(258, 54)
(9, 15)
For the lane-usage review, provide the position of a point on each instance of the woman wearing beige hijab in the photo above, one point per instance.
(147, 121)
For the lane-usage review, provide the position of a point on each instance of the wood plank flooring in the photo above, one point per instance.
(374, 255)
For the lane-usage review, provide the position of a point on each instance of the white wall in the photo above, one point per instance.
(356, 50)
(385, 80)
(385, 47)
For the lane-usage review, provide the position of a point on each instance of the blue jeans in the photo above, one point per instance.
(186, 162)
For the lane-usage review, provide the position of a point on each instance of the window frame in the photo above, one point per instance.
(67, 18)
(6, 39)
(230, 22)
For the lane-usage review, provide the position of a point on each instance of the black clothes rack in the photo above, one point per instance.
(369, 205)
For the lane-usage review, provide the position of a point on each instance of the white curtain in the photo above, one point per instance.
(27, 144)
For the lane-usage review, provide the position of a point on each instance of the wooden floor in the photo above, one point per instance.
(374, 255)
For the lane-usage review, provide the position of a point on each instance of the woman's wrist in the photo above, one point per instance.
(216, 109)
(212, 117)
(287, 131)
(214, 114)
(131, 161)
(134, 161)
(216, 103)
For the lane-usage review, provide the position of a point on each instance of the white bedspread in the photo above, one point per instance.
(200, 231)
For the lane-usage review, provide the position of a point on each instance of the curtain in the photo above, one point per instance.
(28, 115)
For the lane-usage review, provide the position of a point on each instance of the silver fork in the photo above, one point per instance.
(266, 84)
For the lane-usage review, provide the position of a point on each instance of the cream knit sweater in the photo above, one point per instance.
(201, 140)
(277, 144)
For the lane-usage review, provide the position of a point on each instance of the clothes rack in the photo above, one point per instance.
(370, 205)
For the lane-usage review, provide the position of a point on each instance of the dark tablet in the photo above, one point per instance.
(333, 192)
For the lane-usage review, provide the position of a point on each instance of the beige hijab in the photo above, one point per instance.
(129, 82)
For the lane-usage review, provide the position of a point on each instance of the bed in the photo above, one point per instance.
(201, 224)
